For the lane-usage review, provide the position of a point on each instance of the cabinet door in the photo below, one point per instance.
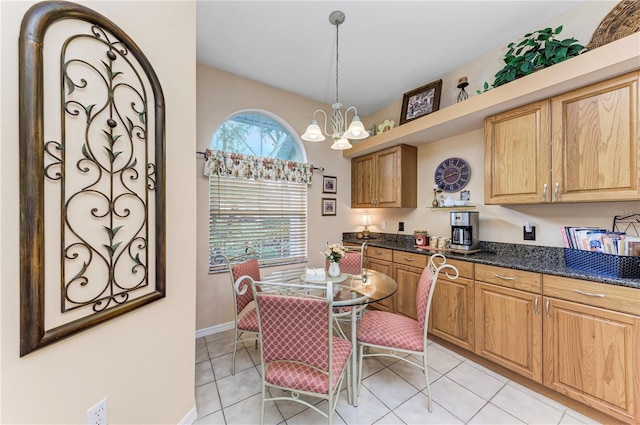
(517, 156)
(407, 278)
(388, 178)
(595, 142)
(591, 355)
(508, 329)
(363, 181)
(451, 316)
(383, 267)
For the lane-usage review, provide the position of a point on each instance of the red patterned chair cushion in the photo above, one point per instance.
(302, 377)
(422, 296)
(390, 330)
(249, 321)
(351, 263)
(249, 268)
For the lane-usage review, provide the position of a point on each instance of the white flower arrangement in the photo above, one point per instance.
(334, 252)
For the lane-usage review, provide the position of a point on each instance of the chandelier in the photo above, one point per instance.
(339, 131)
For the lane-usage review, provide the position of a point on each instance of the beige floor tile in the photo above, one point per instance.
(389, 388)
(475, 380)
(248, 412)
(219, 347)
(525, 407)
(456, 399)
(441, 361)
(492, 415)
(204, 373)
(415, 411)
(207, 399)
(369, 410)
(222, 364)
(215, 418)
(240, 386)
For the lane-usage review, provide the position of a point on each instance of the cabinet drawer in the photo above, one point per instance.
(410, 259)
(612, 297)
(465, 269)
(379, 253)
(510, 278)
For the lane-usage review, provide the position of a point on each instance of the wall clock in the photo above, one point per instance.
(452, 174)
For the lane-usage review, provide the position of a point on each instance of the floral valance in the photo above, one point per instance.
(221, 163)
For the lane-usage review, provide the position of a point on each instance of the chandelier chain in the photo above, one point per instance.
(337, 57)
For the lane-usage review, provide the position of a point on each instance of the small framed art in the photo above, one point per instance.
(329, 184)
(421, 101)
(328, 206)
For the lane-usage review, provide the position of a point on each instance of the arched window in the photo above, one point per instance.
(256, 133)
(268, 215)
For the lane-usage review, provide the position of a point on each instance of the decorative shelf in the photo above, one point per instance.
(615, 58)
(462, 207)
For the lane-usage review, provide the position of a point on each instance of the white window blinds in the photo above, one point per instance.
(270, 216)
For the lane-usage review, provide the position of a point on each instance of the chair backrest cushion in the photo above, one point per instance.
(248, 268)
(351, 263)
(422, 295)
(294, 328)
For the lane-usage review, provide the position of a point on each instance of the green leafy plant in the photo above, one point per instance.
(538, 49)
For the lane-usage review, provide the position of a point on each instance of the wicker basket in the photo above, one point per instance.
(604, 264)
(623, 20)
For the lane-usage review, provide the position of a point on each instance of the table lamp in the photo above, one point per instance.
(365, 221)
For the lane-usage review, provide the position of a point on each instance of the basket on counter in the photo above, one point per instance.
(604, 264)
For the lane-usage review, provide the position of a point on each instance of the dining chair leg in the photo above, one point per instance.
(360, 358)
(426, 378)
(262, 404)
(235, 349)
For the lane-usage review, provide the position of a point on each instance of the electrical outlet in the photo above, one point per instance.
(383, 225)
(401, 226)
(529, 235)
(97, 415)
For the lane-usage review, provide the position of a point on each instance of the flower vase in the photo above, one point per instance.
(334, 269)
(435, 202)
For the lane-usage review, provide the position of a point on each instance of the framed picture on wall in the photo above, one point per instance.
(329, 184)
(328, 206)
(421, 101)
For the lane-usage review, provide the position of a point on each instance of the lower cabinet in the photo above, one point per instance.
(591, 353)
(508, 320)
(451, 316)
(380, 260)
(408, 268)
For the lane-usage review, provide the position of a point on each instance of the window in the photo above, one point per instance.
(268, 215)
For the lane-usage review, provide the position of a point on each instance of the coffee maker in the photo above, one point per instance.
(464, 230)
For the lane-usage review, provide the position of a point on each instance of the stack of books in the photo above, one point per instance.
(596, 239)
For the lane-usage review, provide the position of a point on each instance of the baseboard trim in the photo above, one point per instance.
(214, 329)
(190, 417)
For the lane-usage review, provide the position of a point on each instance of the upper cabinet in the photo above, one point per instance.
(580, 146)
(385, 179)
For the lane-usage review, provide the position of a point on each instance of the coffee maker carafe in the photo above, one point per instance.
(464, 230)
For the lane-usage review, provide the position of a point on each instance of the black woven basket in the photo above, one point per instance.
(604, 264)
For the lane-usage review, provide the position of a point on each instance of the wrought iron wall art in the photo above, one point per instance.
(92, 226)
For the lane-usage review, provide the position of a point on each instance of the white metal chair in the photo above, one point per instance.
(395, 333)
(299, 351)
(245, 314)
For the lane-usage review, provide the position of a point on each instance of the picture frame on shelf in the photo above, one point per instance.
(421, 101)
(329, 184)
(328, 206)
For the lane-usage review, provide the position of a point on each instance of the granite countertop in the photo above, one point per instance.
(539, 259)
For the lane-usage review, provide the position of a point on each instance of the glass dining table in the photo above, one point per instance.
(350, 293)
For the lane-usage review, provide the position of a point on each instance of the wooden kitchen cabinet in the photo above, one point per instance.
(408, 268)
(385, 179)
(381, 260)
(581, 146)
(596, 149)
(451, 316)
(592, 344)
(508, 319)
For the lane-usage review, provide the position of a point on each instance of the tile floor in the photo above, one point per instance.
(393, 392)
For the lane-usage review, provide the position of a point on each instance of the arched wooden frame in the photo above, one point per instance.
(33, 173)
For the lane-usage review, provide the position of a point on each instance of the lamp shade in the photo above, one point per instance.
(356, 130)
(366, 220)
(313, 133)
(341, 144)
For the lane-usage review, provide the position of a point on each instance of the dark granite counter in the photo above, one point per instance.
(539, 259)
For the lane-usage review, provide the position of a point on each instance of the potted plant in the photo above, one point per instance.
(538, 49)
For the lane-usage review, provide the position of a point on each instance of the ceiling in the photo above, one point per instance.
(386, 48)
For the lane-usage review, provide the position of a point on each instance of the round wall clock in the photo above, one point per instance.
(452, 174)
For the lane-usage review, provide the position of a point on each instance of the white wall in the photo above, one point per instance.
(143, 360)
(220, 94)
